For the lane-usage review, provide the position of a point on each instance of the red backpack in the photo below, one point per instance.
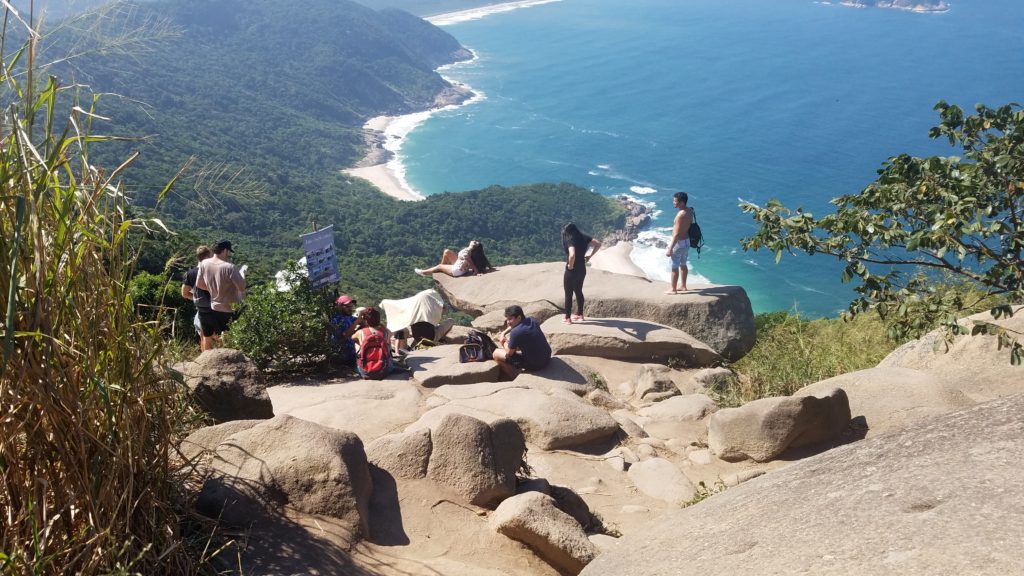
(374, 353)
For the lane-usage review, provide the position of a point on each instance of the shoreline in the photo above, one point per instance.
(382, 165)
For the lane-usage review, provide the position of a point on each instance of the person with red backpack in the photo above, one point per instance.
(373, 360)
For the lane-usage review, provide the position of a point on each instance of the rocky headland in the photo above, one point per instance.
(638, 216)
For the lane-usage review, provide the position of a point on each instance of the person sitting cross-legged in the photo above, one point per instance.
(524, 347)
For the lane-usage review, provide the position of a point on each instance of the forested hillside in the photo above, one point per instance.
(267, 100)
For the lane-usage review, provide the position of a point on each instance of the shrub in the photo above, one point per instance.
(284, 330)
(792, 352)
(158, 298)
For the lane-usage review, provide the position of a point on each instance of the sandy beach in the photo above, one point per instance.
(385, 179)
(616, 259)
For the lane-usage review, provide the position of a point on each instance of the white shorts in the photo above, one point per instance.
(680, 254)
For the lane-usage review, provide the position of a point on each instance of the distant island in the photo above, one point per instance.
(908, 5)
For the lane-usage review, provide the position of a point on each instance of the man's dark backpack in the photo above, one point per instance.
(695, 235)
(374, 353)
(478, 347)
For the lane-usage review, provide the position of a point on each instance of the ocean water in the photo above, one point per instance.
(727, 100)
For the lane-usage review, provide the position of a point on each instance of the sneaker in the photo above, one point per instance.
(578, 318)
(567, 320)
(420, 271)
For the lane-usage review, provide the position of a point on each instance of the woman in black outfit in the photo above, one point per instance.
(575, 244)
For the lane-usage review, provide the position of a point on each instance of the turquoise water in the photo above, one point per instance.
(724, 99)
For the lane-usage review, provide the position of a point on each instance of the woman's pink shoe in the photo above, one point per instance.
(566, 320)
(578, 318)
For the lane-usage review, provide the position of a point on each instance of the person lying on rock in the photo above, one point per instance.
(453, 264)
(523, 347)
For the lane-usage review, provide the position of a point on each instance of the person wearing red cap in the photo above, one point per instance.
(343, 325)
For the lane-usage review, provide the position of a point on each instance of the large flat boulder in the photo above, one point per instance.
(941, 497)
(369, 408)
(549, 421)
(973, 364)
(439, 366)
(627, 339)
(560, 373)
(719, 316)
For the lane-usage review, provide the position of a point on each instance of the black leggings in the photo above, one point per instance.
(572, 282)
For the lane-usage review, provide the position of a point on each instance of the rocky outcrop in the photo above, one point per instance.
(719, 316)
(939, 497)
(627, 339)
(228, 386)
(257, 471)
(990, 375)
(763, 429)
(638, 216)
(887, 399)
(534, 519)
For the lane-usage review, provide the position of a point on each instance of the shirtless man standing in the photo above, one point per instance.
(679, 247)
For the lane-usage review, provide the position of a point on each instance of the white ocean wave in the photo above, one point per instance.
(642, 190)
(657, 266)
(601, 132)
(604, 166)
(805, 288)
(482, 12)
(648, 203)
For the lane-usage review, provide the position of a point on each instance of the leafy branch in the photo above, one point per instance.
(958, 216)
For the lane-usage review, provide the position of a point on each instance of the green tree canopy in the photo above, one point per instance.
(924, 217)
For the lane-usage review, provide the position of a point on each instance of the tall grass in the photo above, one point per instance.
(792, 352)
(87, 415)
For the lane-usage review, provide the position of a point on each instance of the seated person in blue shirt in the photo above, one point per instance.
(524, 347)
(343, 325)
